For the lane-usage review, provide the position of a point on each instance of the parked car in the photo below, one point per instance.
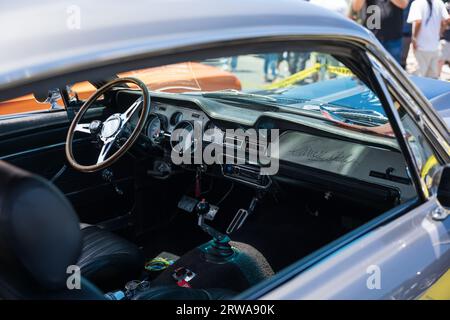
(172, 78)
(331, 182)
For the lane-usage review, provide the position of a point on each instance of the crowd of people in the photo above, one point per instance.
(420, 25)
(420, 28)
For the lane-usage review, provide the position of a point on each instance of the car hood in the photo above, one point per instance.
(438, 92)
(348, 91)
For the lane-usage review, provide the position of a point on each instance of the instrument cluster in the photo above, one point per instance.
(165, 119)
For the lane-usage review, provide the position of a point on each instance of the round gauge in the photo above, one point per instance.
(176, 118)
(182, 138)
(209, 126)
(154, 128)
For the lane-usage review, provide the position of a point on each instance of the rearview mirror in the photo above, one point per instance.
(442, 191)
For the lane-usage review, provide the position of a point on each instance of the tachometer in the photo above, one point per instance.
(176, 118)
(154, 128)
(182, 139)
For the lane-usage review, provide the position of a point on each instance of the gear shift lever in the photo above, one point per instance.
(218, 249)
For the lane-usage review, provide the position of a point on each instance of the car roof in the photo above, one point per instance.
(438, 92)
(44, 38)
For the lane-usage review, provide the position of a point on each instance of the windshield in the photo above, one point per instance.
(291, 81)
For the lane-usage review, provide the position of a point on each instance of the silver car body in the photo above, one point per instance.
(47, 43)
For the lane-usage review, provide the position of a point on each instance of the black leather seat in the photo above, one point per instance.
(45, 219)
(40, 238)
(108, 260)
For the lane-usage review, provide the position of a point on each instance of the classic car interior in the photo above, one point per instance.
(94, 185)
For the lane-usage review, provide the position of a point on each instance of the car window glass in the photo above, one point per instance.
(423, 154)
(27, 104)
(426, 161)
(291, 79)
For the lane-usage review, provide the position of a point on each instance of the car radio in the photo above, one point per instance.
(247, 174)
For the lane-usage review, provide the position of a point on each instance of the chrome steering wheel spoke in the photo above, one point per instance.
(105, 149)
(83, 127)
(126, 116)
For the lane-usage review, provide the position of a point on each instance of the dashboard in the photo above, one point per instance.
(302, 143)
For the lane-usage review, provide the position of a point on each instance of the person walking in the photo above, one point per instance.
(444, 52)
(270, 66)
(389, 30)
(428, 17)
(407, 36)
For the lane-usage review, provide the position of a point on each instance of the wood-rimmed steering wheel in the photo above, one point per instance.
(110, 129)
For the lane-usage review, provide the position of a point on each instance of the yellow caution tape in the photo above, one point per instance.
(302, 75)
(440, 290)
(431, 162)
(427, 180)
(342, 71)
(296, 77)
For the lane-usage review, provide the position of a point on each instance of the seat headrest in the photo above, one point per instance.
(39, 230)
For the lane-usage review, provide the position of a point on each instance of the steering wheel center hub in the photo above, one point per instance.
(111, 126)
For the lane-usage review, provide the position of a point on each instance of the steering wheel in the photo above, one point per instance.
(109, 130)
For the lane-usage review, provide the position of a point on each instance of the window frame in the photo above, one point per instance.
(413, 109)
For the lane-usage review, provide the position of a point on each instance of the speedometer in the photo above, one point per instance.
(154, 128)
(182, 139)
(176, 118)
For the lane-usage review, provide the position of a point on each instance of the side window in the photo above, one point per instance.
(25, 104)
(426, 161)
(424, 156)
(50, 100)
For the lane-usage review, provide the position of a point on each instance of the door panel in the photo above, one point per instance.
(397, 261)
(36, 143)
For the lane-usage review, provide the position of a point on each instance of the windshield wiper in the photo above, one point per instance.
(334, 113)
(270, 102)
(367, 118)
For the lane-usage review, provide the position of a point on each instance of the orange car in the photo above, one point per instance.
(180, 77)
